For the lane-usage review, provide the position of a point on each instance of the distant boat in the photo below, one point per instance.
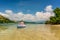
(21, 25)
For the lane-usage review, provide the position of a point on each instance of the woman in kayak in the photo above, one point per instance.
(22, 23)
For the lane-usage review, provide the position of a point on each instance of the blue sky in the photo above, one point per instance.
(27, 6)
(28, 10)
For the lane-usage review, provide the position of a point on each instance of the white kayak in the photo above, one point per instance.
(21, 26)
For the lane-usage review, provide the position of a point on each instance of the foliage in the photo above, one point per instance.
(5, 20)
(57, 12)
(56, 18)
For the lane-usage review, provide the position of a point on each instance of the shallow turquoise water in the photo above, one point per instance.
(9, 26)
(48, 32)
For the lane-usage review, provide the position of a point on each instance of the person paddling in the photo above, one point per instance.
(22, 23)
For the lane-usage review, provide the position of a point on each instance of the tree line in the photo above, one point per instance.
(54, 19)
(5, 20)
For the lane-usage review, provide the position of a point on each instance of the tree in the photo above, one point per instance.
(56, 18)
(57, 12)
(5, 20)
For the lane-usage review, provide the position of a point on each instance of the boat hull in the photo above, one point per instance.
(21, 26)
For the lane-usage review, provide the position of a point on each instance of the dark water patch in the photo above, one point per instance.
(3, 28)
(6, 26)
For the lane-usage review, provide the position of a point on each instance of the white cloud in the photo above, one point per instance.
(49, 8)
(29, 17)
(5, 15)
(45, 15)
(39, 16)
(8, 11)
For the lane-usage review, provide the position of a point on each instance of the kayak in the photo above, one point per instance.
(21, 26)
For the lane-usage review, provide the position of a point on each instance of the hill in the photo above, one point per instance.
(5, 20)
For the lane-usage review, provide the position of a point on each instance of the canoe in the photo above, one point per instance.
(21, 26)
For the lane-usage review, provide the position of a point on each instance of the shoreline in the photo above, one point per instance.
(56, 25)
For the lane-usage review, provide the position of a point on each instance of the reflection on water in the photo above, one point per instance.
(31, 32)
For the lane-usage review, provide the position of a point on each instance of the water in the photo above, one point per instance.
(31, 32)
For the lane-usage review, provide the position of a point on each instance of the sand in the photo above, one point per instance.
(37, 33)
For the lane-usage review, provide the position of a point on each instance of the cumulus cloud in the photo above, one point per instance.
(5, 15)
(29, 17)
(49, 8)
(39, 16)
(44, 15)
(9, 12)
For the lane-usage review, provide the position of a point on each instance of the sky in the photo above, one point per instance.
(32, 10)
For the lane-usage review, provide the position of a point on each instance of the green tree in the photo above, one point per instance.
(57, 12)
(5, 20)
(56, 18)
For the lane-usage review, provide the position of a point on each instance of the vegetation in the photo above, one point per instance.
(5, 20)
(56, 18)
(26, 22)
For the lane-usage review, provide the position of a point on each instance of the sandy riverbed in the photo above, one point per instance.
(37, 33)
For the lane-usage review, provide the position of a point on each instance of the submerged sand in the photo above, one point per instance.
(36, 33)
